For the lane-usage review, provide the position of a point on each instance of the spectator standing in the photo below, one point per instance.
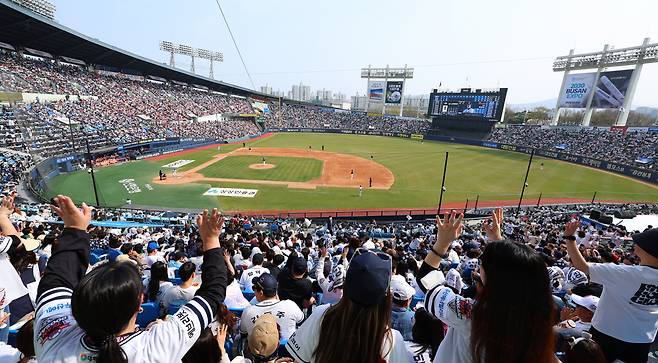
(90, 322)
(489, 330)
(626, 318)
(357, 328)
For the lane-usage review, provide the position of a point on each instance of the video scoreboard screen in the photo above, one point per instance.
(468, 105)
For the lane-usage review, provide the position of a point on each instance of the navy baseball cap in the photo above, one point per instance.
(368, 278)
(266, 282)
(648, 241)
(299, 265)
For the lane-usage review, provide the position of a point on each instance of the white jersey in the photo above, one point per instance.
(628, 309)
(455, 311)
(286, 312)
(58, 338)
(420, 353)
(249, 274)
(303, 342)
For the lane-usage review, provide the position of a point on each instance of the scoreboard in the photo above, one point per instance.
(468, 105)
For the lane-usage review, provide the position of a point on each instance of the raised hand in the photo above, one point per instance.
(571, 228)
(448, 229)
(72, 216)
(6, 206)
(210, 227)
(221, 335)
(492, 228)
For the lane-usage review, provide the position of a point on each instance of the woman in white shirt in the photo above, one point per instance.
(357, 328)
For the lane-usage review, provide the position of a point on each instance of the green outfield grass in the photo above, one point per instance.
(491, 174)
(286, 168)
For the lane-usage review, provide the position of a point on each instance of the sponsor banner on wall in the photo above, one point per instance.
(376, 91)
(394, 92)
(231, 192)
(576, 90)
(621, 129)
(177, 164)
(611, 87)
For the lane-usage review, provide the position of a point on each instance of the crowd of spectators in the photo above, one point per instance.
(304, 116)
(290, 290)
(609, 145)
(122, 108)
(12, 165)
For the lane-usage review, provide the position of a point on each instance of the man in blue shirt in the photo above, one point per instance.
(402, 318)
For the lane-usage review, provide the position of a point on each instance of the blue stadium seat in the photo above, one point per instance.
(148, 315)
(93, 259)
(415, 300)
(175, 305)
(248, 295)
(236, 311)
(177, 273)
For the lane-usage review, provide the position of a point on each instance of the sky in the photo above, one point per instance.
(455, 43)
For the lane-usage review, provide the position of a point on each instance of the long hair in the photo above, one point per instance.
(512, 319)
(585, 351)
(25, 341)
(103, 303)
(353, 333)
(205, 349)
(158, 273)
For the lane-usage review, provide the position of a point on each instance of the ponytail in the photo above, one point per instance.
(109, 351)
(100, 290)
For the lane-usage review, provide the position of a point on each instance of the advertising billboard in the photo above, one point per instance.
(611, 89)
(376, 91)
(394, 92)
(576, 90)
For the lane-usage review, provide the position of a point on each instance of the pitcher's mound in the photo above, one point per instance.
(261, 166)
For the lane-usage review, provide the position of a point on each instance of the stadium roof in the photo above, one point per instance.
(23, 28)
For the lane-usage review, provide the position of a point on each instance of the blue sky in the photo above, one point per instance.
(502, 43)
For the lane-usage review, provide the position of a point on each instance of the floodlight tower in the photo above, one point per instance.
(191, 52)
(210, 56)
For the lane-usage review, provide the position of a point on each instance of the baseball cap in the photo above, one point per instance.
(264, 337)
(401, 290)
(266, 282)
(299, 265)
(648, 241)
(153, 246)
(589, 302)
(368, 277)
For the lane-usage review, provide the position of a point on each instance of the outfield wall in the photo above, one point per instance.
(650, 176)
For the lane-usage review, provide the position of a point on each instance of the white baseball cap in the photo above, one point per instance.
(401, 290)
(589, 302)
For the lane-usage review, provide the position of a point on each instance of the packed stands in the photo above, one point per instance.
(271, 252)
(637, 148)
(304, 116)
(119, 108)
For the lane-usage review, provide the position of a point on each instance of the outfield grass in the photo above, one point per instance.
(293, 169)
(417, 166)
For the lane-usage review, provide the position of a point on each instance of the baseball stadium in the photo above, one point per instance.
(493, 200)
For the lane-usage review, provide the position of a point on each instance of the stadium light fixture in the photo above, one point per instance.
(187, 50)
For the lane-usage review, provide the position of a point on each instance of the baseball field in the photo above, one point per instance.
(306, 171)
